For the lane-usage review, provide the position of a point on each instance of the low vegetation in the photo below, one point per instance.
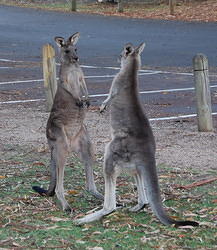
(30, 221)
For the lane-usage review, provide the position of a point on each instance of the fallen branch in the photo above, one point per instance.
(196, 184)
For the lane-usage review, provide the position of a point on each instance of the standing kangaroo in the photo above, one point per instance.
(65, 127)
(132, 147)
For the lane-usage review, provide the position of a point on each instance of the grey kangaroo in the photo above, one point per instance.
(132, 147)
(66, 131)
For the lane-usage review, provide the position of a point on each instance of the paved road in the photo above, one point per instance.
(169, 44)
(24, 31)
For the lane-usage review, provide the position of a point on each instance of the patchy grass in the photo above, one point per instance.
(189, 11)
(30, 221)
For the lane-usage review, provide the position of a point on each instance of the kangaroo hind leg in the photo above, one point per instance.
(142, 198)
(52, 185)
(59, 158)
(84, 149)
(109, 200)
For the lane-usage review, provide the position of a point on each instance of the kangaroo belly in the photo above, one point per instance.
(68, 120)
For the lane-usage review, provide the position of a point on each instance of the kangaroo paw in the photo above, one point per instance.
(80, 104)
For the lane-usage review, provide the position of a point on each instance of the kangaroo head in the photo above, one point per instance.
(68, 50)
(130, 53)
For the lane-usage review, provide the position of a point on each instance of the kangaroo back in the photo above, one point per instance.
(139, 128)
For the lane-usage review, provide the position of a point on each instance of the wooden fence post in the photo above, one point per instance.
(120, 6)
(49, 72)
(73, 5)
(203, 96)
(171, 5)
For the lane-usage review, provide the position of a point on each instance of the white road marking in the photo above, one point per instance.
(6, 67)
(8, 60)
(175, 117)
(117, 68)
(151, 119)
(101, 95)
(22, 101)
(157, 91)
(143, 72)
(21, 81)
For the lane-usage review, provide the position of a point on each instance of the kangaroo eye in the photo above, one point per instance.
(67, 51)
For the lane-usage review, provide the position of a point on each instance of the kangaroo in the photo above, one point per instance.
(132, 147)
(66, 130)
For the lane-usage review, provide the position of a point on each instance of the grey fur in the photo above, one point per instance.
(66, 131)
(132, 147)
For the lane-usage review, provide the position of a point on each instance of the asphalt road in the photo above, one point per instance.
(169, 44)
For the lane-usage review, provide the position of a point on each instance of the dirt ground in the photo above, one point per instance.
(179, 144)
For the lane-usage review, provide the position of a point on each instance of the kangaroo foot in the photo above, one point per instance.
(93, 217)
(138, 207)
(96, 194)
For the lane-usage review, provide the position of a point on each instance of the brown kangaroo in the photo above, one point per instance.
(132, 147)
(66, 131)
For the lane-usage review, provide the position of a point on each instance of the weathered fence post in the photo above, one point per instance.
(171, 5)
(49, 73)
(73, 5)
(120, 6)
(203, 96)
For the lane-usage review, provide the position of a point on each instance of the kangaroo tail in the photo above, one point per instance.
(43, 192)
(154, 198)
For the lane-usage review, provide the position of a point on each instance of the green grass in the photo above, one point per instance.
(30, 221)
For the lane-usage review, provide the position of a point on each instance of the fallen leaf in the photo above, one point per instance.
(95, 248)
(181, 235)
(167, 176)
(37, 163)
(96, 233)
(186, 227)
(3, 176)
(52, 227)
(80, 242)
(155, 232)
(196, 184)
(73, 192)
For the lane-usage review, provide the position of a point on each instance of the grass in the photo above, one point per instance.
(186, 11)
(30, 221)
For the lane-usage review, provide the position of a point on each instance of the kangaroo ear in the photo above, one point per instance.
(59, 41)
(140, 48)
(128, 49)
(74, 38)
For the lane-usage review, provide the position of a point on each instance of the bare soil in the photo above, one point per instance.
(179, 144)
